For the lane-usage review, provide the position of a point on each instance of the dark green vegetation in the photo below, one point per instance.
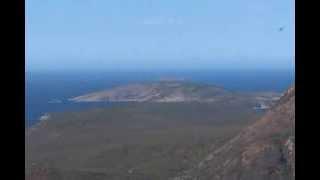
(151, 141)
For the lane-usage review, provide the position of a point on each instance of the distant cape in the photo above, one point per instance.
(175, 90)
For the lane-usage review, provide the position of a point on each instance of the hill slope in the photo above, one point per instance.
(265, 150)
(134, 141)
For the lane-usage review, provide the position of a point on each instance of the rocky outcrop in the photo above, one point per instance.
(265, 150)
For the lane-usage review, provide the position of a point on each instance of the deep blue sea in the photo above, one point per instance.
(48, 91)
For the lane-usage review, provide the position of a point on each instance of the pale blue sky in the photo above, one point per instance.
(159, 34)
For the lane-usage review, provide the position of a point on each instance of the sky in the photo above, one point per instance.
(159, 34)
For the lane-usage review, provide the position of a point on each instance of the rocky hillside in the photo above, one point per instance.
(265, 150)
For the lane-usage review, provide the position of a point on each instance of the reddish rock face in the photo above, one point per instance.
(264, 150)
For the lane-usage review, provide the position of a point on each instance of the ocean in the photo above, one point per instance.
(47, 92)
